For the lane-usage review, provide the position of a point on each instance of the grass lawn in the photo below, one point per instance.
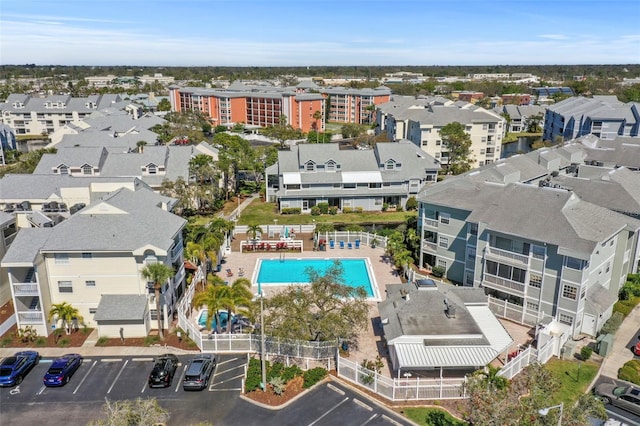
(571, 386)
(260, 212)
(419, 415)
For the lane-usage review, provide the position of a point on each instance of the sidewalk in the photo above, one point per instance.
(620, 353)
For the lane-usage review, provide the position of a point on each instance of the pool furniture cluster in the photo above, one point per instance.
(272, 246)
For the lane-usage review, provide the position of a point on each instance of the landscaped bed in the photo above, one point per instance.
(57, 339)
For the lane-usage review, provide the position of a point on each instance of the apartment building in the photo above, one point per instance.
(252, 105)
(420, 121)
(96, 256)
(521, 116)
(602, 116)
(30, 115)
(354, 105)
(310, 174)
(543, 238)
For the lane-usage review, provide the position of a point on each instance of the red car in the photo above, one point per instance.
(636, 349)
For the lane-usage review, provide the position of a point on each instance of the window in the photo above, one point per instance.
(64, 170)
(293, 186)
(390, 165)
(570, 292)
(92, 311)
(573, 263)
(531, 306)
(61, 258)
(349, 186)
(375, 185)
(565, 319)
(473, 228)
(438, 142)
(442, 264)
(87, 255)
(310, 166)
(535, 280)
(444, 218)
(65, 287)
(538, 251)
(151, 169)
(90, 283)
(492, 267)
(444, 242)
(583, 293)
(608, 267)
(331, 166)
(87, 169)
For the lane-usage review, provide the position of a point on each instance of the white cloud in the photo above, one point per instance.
(553, 36)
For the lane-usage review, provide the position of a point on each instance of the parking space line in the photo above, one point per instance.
(229, 360)
(613, 413)
(335, 389)
(111, 360)
(41, 390)
(390, 420)
(229, 369)
(225, 390)
(369, 419)
(184, 371)
(144, 387)
(328, 412)
(85, 376)
(227, 380)
(118, 376)
(362, 404)
(142, 359)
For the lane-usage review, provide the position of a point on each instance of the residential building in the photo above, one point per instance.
(29, 115)
(420, 121)
(602, 116)
(429, 326)
(354, 105)
(369, 179)
(94, 255)
(544, 95)
(522, 116)
(471, 97)
(8, 230)
(7, 142)
(543, 238)
(516, 99)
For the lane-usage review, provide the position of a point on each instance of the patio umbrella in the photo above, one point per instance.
(286, 232)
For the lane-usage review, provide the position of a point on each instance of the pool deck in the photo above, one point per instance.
(370, 342)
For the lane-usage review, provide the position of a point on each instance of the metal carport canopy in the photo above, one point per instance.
(417, 356)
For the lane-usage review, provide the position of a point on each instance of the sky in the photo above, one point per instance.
(316, 32)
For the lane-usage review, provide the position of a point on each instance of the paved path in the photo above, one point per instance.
(620, 353)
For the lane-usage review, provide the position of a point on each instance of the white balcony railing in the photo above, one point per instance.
(521, 258)
(175, 252)
(503, 283)
(429, 246)
(31, 317)
(25, 289)
(433, 223)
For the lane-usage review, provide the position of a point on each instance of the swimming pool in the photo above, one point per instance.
(357, 272)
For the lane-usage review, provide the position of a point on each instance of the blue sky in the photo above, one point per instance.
(314, 32)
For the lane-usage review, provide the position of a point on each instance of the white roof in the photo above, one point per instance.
(362, 177)
(493, 330)
(290, 178)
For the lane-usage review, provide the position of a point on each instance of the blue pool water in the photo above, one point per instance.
(204, 314)
(292, 271)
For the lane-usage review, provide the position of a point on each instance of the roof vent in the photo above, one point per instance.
(450, 310)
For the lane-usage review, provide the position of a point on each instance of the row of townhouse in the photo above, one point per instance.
(603, 116)
(546, 232)
(32, 115)
(521, 116)
(91, 258)
(263, 106)
(369, 179)
(420, 120)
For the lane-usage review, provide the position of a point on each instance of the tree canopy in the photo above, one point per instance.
(458, 143)
(324, 310)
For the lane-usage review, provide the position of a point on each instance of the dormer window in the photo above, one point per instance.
(87, 170)
(310, 166)
(152, 169)
(331, 166)
(63, 170)
(390, 165)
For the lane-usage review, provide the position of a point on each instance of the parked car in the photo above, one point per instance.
(625, 397)
(62, 369)
(14, 368)
(164, 368)
(636, 349)
(199, 372)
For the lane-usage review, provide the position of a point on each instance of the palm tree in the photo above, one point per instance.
(215, 297)
(66, 313)
(252, 231)
(140, 145)
(317, 116)
(238, 298)
(158, 273)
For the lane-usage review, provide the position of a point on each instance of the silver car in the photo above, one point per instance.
(625, 397)
(199, 372)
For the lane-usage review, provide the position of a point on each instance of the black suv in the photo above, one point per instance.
(164, 367)
(199, 372)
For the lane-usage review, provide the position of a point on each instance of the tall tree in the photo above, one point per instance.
(158, 273)
(238, 299)
(216, 298)
(458, 143)
(317, 116)
(66, 313)
(282, 132)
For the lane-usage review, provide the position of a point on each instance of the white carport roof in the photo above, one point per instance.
(418, 356)
(291, 178)
(362, 177)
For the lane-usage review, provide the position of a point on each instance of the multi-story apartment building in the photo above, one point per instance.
(252, 105)
(521, 116)
(29, 115)
(516, 99)
(602, 116)
(310, 174)
(96, 254)
(354, 105)
(547, 243)
(420, 121)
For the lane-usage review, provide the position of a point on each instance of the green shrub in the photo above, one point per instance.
(630, 372)
(151, 340)
(278, 385)
(315, 211)
(291, 210)
(437, 271)
(6, 341)
(275, 370)
(385, 207)
(41, 341)
(291, 372)
(358, 210)
(254, 375)
(412, 204)
(313, 376)
(64, 342)
(324, 207)
(102, 340)
(333, 210)
(347, 210)
(613, 323)
(585, 353)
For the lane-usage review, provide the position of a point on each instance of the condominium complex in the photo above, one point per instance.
(547, 234)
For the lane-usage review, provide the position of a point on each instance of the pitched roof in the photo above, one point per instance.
(121, 307)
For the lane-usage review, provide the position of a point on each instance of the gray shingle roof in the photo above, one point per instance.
(121, 307)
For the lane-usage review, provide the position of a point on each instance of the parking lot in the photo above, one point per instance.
(118, 378)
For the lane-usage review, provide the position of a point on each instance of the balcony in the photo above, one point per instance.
(431, 223)
(32, 317)
(503, 284)
(429, 246)
(516, 258)
(25, 289)
(176, 251)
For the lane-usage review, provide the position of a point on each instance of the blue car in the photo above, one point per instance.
(14, 368)
(62, 369)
